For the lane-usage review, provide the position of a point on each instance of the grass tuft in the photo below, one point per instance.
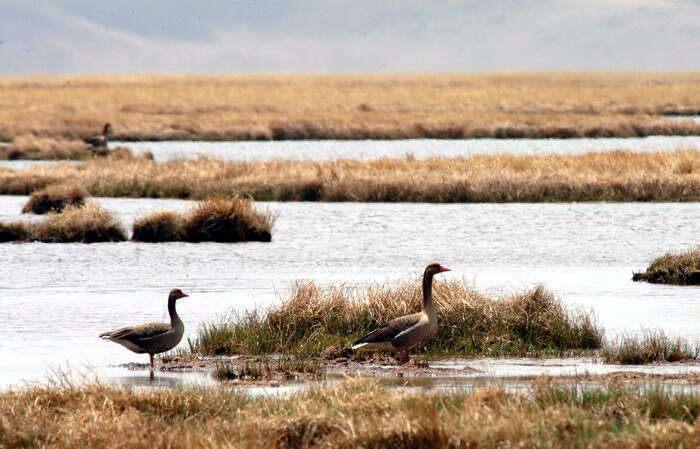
(313, 319)
(161, 226)
(55, 198)
(29, 146)
(87, 224)
(12, 232)
(651, 346)
(218, 219)
(228, 220)
(680, 269)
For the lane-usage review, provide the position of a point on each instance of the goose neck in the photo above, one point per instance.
(175, 320)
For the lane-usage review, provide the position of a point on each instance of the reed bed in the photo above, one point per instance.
(250, 107)
(314, 319)
(652, 346)
(610, 176)
(680, 269)
(216, 219)
(354, 413)
(55, 198)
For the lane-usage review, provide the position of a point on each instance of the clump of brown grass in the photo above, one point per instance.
(613, 176)
(12, 232)
(354, 413)
(312, 318)
(651, 346)
(86, 224)
(217, 219)
(228, 220)
(161, 226)
(55, 198)
(681, 269)
(28, 146)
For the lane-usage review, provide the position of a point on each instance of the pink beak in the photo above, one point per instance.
(444, 269)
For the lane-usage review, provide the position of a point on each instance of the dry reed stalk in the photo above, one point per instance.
(354, 413)
(248, 107)
(610, 176)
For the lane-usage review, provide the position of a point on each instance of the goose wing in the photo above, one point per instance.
(138, 334)
(387, 332)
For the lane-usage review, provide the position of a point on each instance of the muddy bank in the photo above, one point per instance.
(472, 371)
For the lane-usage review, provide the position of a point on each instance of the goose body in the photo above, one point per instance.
(408, 331)
(152, 338)
(99, 141)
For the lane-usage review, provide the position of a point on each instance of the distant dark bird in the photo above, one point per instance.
(406, 332)
(152, 338)
(100, 141)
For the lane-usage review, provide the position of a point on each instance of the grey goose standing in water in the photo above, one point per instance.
(152, 338)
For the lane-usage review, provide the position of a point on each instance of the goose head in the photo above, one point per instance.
(176, 293)
(435, 268)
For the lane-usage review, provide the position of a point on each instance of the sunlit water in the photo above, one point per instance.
(322, 150)
(55, 299)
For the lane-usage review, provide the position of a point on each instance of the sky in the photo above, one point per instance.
(321, 36)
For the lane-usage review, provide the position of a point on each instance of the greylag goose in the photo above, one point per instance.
(101, 140)
(152, 338)
(406, 332)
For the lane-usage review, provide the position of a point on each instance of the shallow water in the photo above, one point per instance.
(321, 150)
(680, 118)
(56, 298)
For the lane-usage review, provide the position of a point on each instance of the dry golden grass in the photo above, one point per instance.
(682, 269)
(216, 219)
(314, 319)
(547, 104)
(55, 198)
(86, 224)
(28, 146)
(614, 176)
(355, 413)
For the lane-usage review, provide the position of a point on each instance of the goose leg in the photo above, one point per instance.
(152, 365)
(403, 357)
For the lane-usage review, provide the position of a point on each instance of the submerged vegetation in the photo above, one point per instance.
(284, 368)
(613, 176)
(354, 413)
(217, 219)
(681, 269)
(55, 198)
(314, 319)
(254, 107)
(652, 346)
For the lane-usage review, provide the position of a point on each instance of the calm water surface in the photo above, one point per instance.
(55, 299)
(321, 150)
